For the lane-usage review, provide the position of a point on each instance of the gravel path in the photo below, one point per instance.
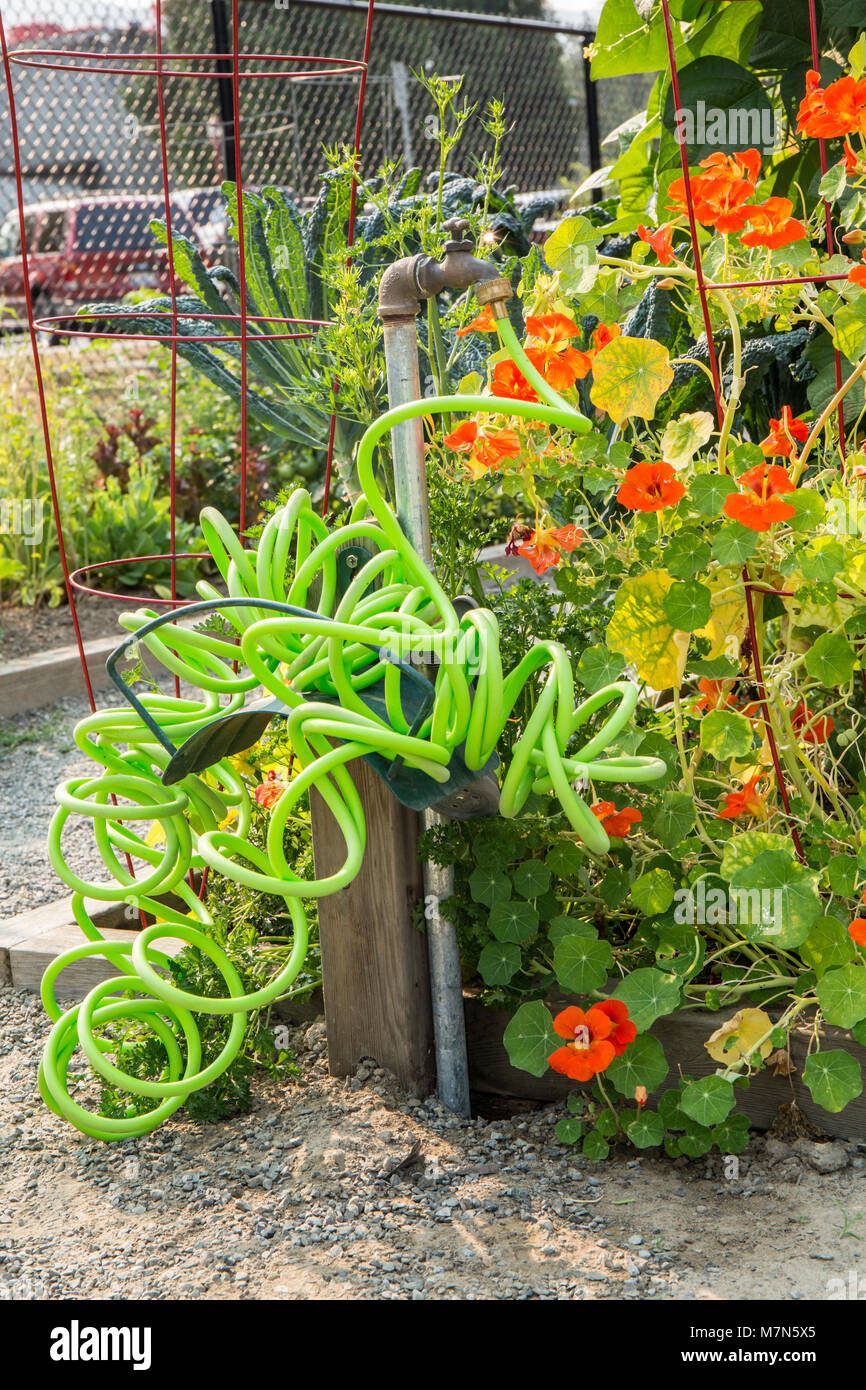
(36, 753)
(349, 1190)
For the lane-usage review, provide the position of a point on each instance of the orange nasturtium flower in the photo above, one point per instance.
(660, 241)
(640, 1095)
(603, 335)
(270, 791)
(745, 164)
(759, 503)
(857, 274)
(772, 225)
(783, 433)
(484, 323)
(588, 1049)
(543, 547)
(719, 195)
(748, 802)
(550, 352)
(623, 1031)
(485, 450)
(616, 822)
(811, 728)
(712, 693)
(650, 487)
(509, 382)
(839, 109)
(857, 931)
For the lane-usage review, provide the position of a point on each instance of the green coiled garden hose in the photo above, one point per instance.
(317, 657)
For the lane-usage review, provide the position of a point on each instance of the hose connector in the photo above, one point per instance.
(494, 294)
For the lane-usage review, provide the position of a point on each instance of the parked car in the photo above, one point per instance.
(80, 251)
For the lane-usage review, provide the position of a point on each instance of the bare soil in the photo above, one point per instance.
(348, 1189)
(29, 631)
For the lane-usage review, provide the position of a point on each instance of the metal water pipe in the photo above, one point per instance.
(403, 287)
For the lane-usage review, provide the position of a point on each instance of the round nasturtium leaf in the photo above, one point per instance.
(842, 875)
(683, 437)
(685, 556)
(834, 1078)
(531, 878)
(513, 921)
(744, 848)
(648, 994)
(734, 544)
(653, 892)
(559, 927)
(569, 1129)
(571, 250)
(642, 1064)
(530, 1038)
(646, 1130)
(598, 667)
(827, 946)
(708, 1101)
(595, 1146)
(687, 605)
(489, 885)
(737, 1036)
(732, 1135)
(831, 660)
(775, 900)
(708, 492)
(629, 377)
(725, 734)
(582, 964)
(842, 995)
(673, 819)
(498, 962)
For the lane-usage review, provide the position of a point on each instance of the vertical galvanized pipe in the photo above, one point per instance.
(410, 488)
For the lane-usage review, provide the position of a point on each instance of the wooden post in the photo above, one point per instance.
(374, 961)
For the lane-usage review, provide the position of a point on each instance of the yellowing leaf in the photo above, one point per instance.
(684, 437)
(155, 835)
(629, 376)
(570, 250)
(641, 633)
(806, 611)
(738, 1036)
(727, 615)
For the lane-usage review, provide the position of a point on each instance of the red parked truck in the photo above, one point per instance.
(82, 251)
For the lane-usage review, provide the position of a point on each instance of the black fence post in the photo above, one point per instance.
(219, 19)
(593, 130)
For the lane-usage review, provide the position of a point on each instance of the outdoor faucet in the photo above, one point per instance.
(401, 290)
(414, 278)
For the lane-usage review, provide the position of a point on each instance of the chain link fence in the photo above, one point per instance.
(89, 125)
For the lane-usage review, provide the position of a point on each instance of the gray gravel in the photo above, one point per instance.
(37, 752)
(348, 1189)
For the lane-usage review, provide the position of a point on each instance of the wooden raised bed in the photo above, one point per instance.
(682, 1036)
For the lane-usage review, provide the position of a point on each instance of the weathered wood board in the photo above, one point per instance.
(374, 962)
(683, 1036)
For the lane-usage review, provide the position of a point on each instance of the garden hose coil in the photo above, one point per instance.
(287, 627)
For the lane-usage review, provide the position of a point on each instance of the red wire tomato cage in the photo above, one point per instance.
(705, 288)
(164, 66)
(237, 67)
